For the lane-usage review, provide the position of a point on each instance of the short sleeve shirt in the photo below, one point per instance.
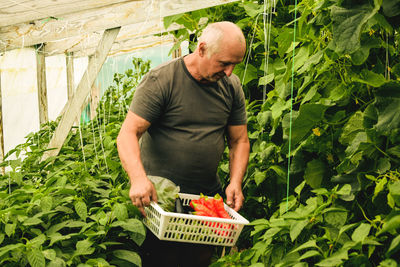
(186, 139)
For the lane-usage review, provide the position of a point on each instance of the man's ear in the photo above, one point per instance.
(202, 49)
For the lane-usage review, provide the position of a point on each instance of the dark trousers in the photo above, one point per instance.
(159, 253)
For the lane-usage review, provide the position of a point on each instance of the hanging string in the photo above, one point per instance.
(291, 107)
(267, 21)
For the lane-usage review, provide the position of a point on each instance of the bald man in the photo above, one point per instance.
(182, 111)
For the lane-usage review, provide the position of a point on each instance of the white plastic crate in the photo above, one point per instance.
(194, 228)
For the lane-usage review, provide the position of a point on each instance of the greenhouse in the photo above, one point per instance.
(297, 120)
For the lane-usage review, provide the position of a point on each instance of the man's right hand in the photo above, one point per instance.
(142, 192)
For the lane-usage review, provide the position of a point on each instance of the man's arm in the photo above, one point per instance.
(239, 150)
(142, 190)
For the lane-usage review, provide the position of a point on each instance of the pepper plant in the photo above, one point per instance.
(325, 85)
(73, 209)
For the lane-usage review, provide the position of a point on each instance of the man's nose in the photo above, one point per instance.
(229, 69)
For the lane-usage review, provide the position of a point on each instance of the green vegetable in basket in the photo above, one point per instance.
(167, 191)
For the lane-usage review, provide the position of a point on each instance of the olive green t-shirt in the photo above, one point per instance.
(186, 139)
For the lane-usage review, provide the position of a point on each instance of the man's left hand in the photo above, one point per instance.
(234, 196)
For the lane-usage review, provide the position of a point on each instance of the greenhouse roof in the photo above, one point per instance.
(78, 25)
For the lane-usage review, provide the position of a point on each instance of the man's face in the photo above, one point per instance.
(223, 61)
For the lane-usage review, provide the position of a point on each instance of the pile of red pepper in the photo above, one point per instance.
(212, 207)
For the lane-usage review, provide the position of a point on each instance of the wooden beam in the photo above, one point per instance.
(128, 46)
(97, 19)
(70, 74)
(41, 84)
(74, 105)
(14, 12)
(137, 33)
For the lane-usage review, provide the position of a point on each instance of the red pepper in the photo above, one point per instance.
(219, 207)
(198, 206)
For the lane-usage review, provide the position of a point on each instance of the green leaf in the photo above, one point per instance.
(335, 260)
(84, 247)
(391, 224)
(252, 9)
(388, 263)
(246, 73)
(38, 241)
(310, 94)
(9, 229)
(387, 103)
(32, 221)
(50, 254)
(8, 248)
(314, 59)
(309, 116)
(352, 128)
(394, 245)
(57, 262)
(259, 176)
(309, 254)
(300, 187)
(120, 211)
(55, 237)
(266, 79)
(129, 256)
(46, 203)
(394, 190)
(81, 209)
(348, 25)
(344, 190)
(296, 228)
(391, 8)
(308, 244)
(370, 78)
(171, 19)
(301, 57)
(284, 41)
(36, 258)
(345, 228)
(336, 218)
(279, 170)
(362, 54)
(380, 186)
(314, 173)
(135, 227)
(361, 232)
(2, 236)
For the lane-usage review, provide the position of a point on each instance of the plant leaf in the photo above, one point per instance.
(361, 232)
(314, 173)
(36, 258)
(297, 227)
(81, 209)
(348, 24)
(129, 256)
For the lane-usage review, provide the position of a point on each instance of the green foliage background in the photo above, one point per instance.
(329, 197)
(335, 93)
(73, 209)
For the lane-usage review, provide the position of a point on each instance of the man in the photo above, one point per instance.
(182, 111)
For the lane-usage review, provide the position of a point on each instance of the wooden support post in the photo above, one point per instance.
(70, 74)
(69, 57)
(178, 52)
(1, 129)
(94, 100)
(74, 105)
(41, 84)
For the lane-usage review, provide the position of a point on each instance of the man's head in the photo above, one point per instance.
(220, 47)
